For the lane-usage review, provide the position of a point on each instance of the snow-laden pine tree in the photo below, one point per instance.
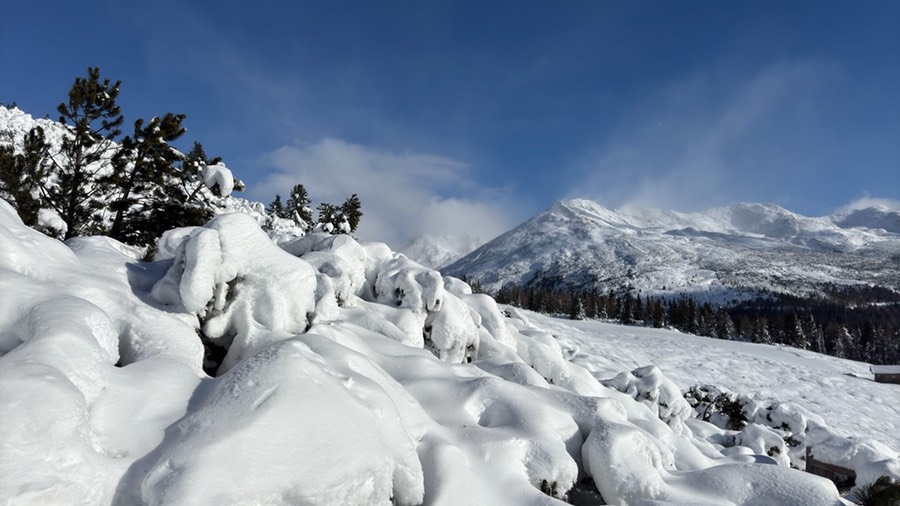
(93, 118)
(276, 208)
(578, 312)
(143, 166)
(297, 207)
(351, 209)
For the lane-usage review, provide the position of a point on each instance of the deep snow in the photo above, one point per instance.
(356, 376)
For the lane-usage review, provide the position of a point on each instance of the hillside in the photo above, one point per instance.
(721, 254)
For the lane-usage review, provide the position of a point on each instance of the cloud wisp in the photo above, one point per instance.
(700, 143)
(404, 195)
(867, 201)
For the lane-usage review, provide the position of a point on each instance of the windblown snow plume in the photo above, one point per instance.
(349, 375)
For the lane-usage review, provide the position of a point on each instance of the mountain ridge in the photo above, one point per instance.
(734, 251)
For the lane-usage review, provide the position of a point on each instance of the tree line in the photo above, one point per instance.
(342, 219)
(866, 331)
(92, 180)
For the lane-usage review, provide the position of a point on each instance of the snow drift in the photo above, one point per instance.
(351, 375)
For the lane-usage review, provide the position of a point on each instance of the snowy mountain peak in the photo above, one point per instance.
(725, 251)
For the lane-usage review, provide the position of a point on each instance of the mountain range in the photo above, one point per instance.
(729, 253)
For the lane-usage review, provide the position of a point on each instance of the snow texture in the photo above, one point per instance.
(354, 375)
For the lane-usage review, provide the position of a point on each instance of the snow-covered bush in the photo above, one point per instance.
(650, 387)
(785, 431)
(246, 291)
(432, 317)
(722, 409)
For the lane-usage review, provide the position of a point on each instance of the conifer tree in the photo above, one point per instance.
(658, 314)
(93, 118)
(297, 206)
(577, 312)
(144, 165)
(352, 212)
(760, 332)
(330, 218)
(724, 325)
(626, 309)
(276, 208)
(21, 175)
(791, 331)
(183, 200)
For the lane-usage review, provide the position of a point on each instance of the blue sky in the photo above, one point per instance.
(467, 117)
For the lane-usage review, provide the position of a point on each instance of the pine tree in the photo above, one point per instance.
(838, 339)
(626, 313)
(21, 175)
(724, 326)
(577, 312)
(276, 208)
(658, 315)
(691, 318)
(760, 332)
(143, 166)
(792, 331)
(330, 218)
(93, 118)
(352, 212)
(297, 207)
(744, 327)
(183, 200)
(867, 339)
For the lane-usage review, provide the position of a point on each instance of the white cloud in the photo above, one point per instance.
(709, 140)
(404, 195)
(867, 201)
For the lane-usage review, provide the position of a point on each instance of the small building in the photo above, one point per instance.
(886, 373)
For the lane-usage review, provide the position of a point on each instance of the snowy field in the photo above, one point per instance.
(842, 392)
(349, 374)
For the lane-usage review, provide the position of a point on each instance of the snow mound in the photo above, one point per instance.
(246, 291)
(267, 415)
(628, 468)
(350, 375)
(648, 386)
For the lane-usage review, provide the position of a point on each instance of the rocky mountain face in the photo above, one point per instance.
(727, 253)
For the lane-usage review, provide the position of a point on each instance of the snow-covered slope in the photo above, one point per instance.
(841, 391)
(726, 251)
(352, 376)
